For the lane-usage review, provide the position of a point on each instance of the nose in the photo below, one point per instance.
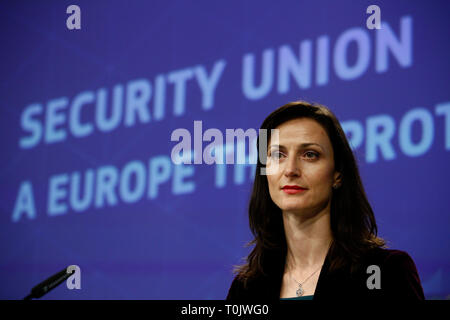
(292, 168)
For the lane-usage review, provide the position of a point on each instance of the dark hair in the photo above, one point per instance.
(352, 220)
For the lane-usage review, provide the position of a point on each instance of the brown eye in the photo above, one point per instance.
(276, 154)
(311, 155)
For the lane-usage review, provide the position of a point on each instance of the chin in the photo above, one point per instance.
(292, 206)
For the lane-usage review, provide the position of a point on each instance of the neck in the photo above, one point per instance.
(308, 238)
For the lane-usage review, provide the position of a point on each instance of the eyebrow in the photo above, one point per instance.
(303, 145)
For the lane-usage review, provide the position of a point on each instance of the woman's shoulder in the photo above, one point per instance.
(388, 257)
(259, 287)
(237, 288)
(397, 271)
(242, 288)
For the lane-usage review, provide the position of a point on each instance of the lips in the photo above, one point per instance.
(293, 189)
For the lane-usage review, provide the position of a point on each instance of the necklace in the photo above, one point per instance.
(300, 291)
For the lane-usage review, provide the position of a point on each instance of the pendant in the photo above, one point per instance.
(300, 291)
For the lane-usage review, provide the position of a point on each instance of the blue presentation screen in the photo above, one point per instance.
(93, 95)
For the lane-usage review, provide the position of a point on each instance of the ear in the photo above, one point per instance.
(337, 179)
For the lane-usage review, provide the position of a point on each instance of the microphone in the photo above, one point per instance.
(49, 284)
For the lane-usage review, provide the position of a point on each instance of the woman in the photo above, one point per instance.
(315, 235)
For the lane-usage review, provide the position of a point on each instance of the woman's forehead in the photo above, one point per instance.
(301, 131)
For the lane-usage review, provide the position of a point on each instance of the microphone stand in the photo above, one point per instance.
(48, 285)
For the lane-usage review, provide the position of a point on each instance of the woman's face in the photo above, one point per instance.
(305, 160)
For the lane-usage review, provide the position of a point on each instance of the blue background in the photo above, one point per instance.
(184, 246)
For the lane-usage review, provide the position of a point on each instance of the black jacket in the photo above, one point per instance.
(398, 278)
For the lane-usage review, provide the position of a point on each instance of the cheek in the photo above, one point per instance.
(273, 182)
(321, 178)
